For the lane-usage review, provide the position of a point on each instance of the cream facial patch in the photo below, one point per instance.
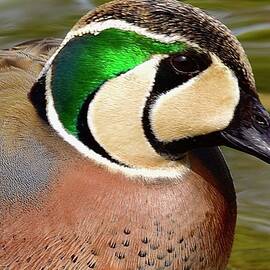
(203, 105)
(123, 100)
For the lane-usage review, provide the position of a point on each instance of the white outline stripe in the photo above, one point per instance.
(95, 28)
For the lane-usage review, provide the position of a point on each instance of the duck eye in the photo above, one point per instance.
(260, 121)
(185, 64)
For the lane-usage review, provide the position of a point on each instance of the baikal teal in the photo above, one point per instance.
(87, 62)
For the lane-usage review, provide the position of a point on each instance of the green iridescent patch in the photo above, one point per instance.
(86, 62)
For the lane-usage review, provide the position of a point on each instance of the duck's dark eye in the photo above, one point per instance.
(260, 121)
(179, 68)
(185, 64)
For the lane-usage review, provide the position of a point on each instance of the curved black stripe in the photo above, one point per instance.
(84, 132)
(38, 98)
(167, 79)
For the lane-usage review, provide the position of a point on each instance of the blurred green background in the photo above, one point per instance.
(21, 20)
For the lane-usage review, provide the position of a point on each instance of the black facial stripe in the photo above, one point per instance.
(167, 79)
(84, 132)
(38, 98)
(175, 149)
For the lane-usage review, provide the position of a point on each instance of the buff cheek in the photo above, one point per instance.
(202, 105)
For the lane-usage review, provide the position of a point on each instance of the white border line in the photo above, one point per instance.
(95, 28)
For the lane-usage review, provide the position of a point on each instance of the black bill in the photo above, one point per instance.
(250, 129)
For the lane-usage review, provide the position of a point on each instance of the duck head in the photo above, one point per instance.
(137, 84)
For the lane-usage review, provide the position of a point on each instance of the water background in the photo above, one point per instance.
(21, 20)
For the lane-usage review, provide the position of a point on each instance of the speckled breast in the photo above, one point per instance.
(92, 219)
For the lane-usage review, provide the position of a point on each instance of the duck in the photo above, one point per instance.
(110, 138)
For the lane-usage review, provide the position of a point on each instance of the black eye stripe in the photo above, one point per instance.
(168, 77)
(84, 133)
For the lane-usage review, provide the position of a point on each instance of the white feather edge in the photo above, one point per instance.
(95, 28)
